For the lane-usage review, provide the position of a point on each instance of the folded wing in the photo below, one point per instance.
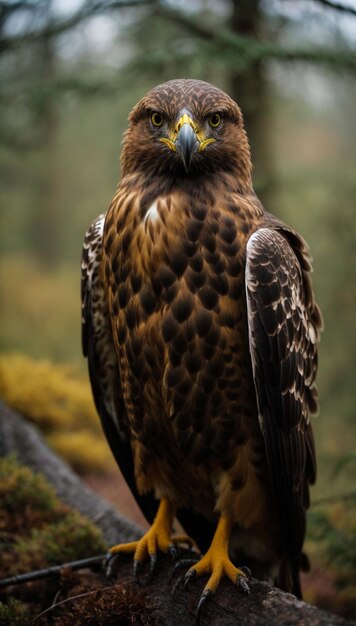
(284, 323)
(98, 347)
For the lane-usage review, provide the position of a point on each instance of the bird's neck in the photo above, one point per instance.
(197, 184)
(220, 187)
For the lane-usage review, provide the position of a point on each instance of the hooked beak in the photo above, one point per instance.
(186, 139)
(186, 145)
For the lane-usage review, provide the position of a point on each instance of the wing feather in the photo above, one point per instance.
(104, 373)
(284, 323)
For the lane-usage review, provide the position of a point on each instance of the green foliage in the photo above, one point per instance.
(331, 543)
(67, 539)
(332, 546)
(343, 462)
(337, 545)
(14, 613)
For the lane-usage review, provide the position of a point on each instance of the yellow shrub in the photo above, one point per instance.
(83, 449)
(49, 395)
(59, 401)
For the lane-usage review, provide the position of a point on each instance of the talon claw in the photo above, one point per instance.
(108, 557)
(137, 567)
(181, 563)
(173, 551)
(243, 584)
(153, 561)
(110, 562)
(203, 599)
(190, 575)
(178, 581)
(246, 570)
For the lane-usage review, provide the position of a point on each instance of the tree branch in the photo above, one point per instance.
(253, 50)
(337, 6)
(57, 27)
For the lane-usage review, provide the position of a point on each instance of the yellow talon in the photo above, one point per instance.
(216, 561)
(157, 538)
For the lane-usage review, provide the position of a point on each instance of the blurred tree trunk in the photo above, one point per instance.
(250, 89)
(46, 211)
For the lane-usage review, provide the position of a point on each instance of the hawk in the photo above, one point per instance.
(200, 328)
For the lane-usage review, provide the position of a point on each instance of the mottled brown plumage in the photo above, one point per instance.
(200, 328)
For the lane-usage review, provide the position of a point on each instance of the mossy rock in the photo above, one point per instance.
(51, 533)
(20, 489)
(37, 529)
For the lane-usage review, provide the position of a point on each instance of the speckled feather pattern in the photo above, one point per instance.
(96, 327)
(181, 335)
(204, 328)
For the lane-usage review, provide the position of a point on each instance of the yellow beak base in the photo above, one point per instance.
(186, 119)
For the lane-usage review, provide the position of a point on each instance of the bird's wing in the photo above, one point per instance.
(284, 323)
(98, 347)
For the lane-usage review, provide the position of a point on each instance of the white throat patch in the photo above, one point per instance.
(152, 213)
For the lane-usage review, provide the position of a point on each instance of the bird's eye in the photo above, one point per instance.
(156, 119)
(215, 120)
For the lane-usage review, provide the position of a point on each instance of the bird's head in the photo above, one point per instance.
(184, 127)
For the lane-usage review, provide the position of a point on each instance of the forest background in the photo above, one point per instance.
(70, 72)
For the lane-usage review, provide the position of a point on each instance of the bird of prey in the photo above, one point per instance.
(200, 328)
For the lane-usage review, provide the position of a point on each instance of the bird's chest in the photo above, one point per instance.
(172, 249)
(177, 300)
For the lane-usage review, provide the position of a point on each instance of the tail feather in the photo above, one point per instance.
(289, 578)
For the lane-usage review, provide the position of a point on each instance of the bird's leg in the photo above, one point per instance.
(216, 562)
(158, 537)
